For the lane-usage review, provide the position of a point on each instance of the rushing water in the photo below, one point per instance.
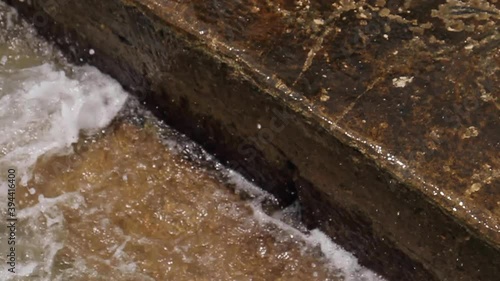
(107, 192)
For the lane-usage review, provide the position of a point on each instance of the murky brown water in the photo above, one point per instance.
(131, 209)
(131, 200)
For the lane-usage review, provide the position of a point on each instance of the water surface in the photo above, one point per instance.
(107, 192)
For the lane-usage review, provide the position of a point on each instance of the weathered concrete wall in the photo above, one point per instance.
(381, 117)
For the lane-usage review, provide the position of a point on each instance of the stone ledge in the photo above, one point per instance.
(358, 109)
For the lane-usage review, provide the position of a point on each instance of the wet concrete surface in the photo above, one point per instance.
(419, 79)
(382, 116)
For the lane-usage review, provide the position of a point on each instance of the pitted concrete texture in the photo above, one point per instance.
(383, 116)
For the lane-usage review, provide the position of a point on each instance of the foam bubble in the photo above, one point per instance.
(48, 111)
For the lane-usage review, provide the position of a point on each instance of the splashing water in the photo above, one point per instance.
(124, 200)
(48, 110)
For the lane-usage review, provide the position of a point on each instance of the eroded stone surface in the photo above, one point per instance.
(414, 78)
(416, 82)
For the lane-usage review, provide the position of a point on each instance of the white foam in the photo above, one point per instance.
(6, 18)
(43, 110)
(244, 185)
(48, 110)
(39, 243)
(338, 258)
(341, 259)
